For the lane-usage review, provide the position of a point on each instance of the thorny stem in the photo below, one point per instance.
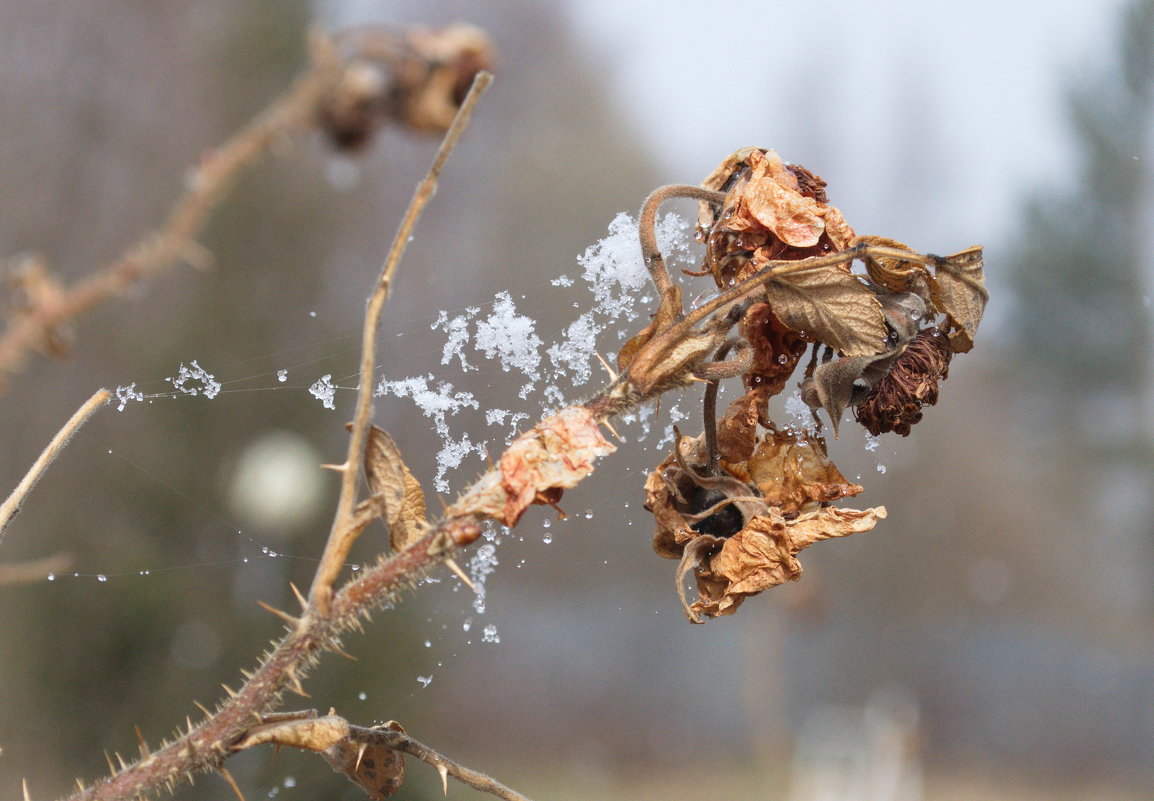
(159, 250)
(342, 536)
(11, 506)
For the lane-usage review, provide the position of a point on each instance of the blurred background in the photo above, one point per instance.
(991, 639)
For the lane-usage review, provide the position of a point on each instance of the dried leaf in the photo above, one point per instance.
(776, 349)
(959, 292)
(895, 274)
(832, 306)
(395, 489)
(793, 471)
(304, 730)
(377, 769)
(764, 554)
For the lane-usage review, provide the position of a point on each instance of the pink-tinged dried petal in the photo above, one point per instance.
(555, 454)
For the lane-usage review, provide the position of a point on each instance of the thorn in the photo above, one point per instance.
(612, 430)
(303, 601)
(229, 690)
(191, 779)
(223, 771)
(605, 364)
(203, 709)
(294, 683)
(27, 795)
(144, 752)
(441, 769)
(340, 468)
(108, 759)
(339, 652)
(700, 380)
(120, 759)
(456, 568)
(188, 721)
(360, 753)
(285, 616)
(79, 785)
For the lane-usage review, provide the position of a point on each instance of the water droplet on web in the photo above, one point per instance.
(588, 514)
(52, 577)
(428, 643)
(312, 314)
(282, 375)
(547, 538)
(101, 577)
(362, 695)
(546, 523)
(468, 624)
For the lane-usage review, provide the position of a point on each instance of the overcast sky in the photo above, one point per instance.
(881, 98)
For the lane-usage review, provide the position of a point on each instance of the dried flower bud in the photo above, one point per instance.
(912, 382)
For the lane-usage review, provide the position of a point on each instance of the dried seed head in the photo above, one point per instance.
(896, 402)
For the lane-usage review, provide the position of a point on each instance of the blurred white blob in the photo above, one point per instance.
(276, 483)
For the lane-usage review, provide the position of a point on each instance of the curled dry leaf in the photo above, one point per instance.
(764, 554)
(377, 769)
(893, 273)
(554, 455)
(395, 490)
(960, 293)
(737, 431)
(792, 471)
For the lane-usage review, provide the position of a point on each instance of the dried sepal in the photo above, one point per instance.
(667, 312)
(959, 292)
(764, 554)
(376, 769)
(793, 471)
(395, 490)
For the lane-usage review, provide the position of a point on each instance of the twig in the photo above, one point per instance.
(342, 535)
(400, 741)
(12, 505)
(160, 249)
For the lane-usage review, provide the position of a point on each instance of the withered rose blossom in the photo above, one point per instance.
(912, 382)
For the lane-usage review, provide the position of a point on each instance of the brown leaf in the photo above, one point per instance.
(895, 274)
(959, 292)
(792, 471)
(377, 769)
(764, 554)
(395, 489)
(299, 730)
(831, 305)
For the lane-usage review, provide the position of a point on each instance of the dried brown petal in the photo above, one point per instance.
(776, 350)
(764, 554)
(771, 200)
(737, 430)
(395, 489)
(896, 403)
(793, 471)
(959, 292)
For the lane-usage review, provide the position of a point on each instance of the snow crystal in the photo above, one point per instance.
(489, 634)
(282, 375)
(509, 337)
(126, 394)
(195, 380)
(457, 330)
(481, 566)
(324, 390)
(562, 280)
(576, 350)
